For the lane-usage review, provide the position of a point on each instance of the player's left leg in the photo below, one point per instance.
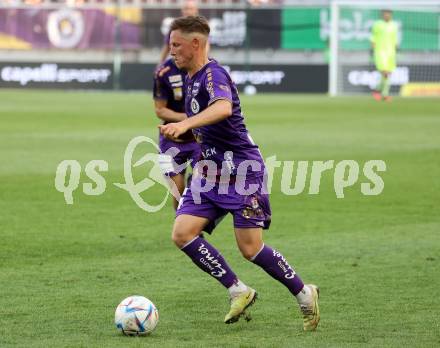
(387, 66)
(385, 89)
(252, 247)
(379, 63)
(377, 93)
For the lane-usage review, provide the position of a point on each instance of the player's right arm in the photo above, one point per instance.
(217, 85)
(219, 110)
(166, 114)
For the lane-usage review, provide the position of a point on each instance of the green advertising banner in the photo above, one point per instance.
(301, 29)
(309, 28)
(419, 30)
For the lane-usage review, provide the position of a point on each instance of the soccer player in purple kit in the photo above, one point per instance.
(169, 106)
(214, 115)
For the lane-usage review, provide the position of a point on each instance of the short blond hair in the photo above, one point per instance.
(191, 24)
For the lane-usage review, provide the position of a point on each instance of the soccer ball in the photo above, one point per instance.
(136, 316)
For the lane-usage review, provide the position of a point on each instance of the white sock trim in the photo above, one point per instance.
(303, 297)
(259, 251)
(237, 288)
(192, 240)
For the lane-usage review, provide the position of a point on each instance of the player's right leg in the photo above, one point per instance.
(310, 307)
(186, 231)
(204, 214)
(245, 297)
(186, 228)
(385, 63)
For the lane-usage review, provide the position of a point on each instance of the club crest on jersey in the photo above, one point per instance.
(195, 107)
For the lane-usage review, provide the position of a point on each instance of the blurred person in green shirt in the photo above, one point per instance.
(384, 44)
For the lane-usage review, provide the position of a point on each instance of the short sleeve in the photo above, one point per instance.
(218, 85)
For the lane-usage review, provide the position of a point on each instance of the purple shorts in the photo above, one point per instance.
(188, 152)
(248, 211)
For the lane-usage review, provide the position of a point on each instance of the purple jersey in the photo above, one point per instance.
(168, 86)
(228, 140)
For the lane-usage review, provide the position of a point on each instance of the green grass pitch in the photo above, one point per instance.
(64, 268)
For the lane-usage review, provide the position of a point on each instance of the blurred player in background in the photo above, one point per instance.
(189, 8)
(169, 103)
(384, 44)
(214, 114)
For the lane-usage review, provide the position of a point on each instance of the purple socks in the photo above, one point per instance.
(277, 267)
(208, 259)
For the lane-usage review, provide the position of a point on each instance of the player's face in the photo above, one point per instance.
(386, 16)
(181, 49)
